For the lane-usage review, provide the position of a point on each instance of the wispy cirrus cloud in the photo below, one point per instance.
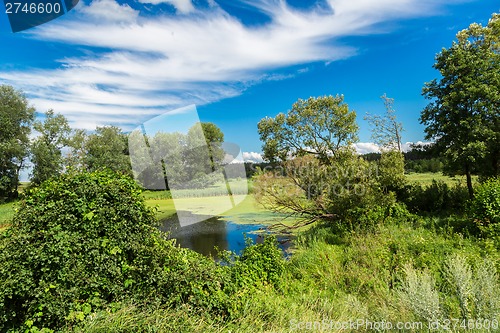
(142, 65)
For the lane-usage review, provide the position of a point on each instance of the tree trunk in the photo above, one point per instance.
(494, 163)
(469, 180)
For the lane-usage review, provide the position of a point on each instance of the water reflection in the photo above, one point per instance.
(204, 237)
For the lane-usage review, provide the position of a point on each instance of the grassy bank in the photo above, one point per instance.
(370, 276)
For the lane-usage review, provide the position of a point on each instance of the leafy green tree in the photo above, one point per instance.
(203, 151)
(391, 170)
(76, 149)
(46, 150)
(176, 159)
(214, 139)
(322, 177)
(107, 148)
(16, 117)
(386, 130)
(169, 150)
(322, 126)
(463, 117)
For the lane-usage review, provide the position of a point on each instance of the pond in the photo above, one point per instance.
(204, 237)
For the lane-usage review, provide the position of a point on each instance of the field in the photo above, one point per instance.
(426, 179)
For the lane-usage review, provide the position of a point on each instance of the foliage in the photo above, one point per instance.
(485, 208)
(386, 130)
(463, 116)
(16, 117)
(321, 126)
(473, 289)
(259, 263)
(176, 160)
(432, 165)
(439, 197)
(107, 148)
(419, 293)
(341, 190)
(391, 171)
(83, 241)
(46, 154)
(340, 277)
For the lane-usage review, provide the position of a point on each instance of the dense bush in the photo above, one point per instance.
(391, 171)
(343, 190)
(425, 165)
(84, 241)
(258, 263)
(435, 198)
(485, 208)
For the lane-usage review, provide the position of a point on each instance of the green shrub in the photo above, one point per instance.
(391, 171)
(485, 207)
(258, 264)
(83, 241)
(436, 198)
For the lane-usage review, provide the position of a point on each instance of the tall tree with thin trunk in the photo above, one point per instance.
(386, 129)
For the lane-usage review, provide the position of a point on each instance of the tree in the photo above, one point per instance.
(76, 152)
(46, 154)
(386, 129)
(214, 139)
(16, 117)
(203, 151)
(175, 159)
(322, 126)
(322, 177)
(107, 148)
(392, 171)
(463, 117)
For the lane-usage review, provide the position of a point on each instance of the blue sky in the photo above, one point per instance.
(125, 62)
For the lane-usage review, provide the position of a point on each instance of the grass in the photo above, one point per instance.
(337, 278)
(426, 179)
(6, 213)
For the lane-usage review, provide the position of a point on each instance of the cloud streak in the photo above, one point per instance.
(140, 66)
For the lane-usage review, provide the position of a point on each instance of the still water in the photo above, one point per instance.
(204, 237)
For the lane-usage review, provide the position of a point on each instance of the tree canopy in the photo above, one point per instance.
(321, 126)
(463, 115)
(46, 150)
(16, 117)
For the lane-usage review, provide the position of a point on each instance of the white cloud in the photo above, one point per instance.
(110, 11)
(366, 147)
(140, 66)
(370, 147)
(252, 157)
(182, 6)
(407, 145)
